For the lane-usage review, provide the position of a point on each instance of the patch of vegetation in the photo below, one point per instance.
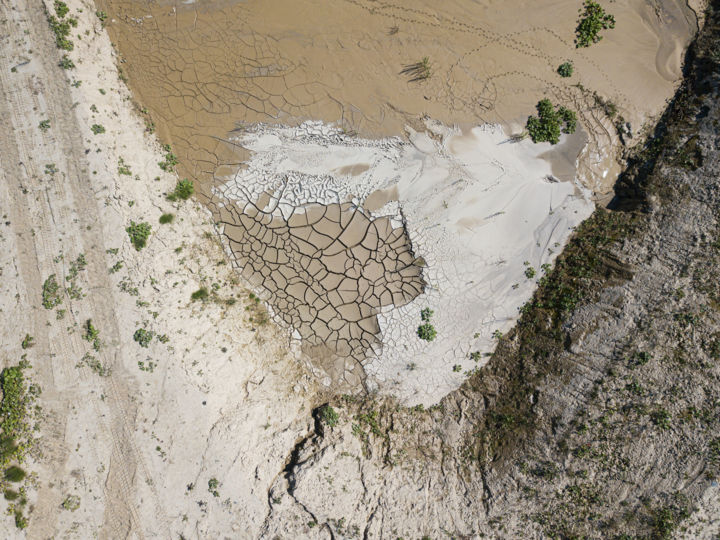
(213, 486)
(51, 293)
(97, 129)
(530, 272)
(143, 337)
(17, 398)
(123, 168)
(14, 474)
(201, 294)
(593, 19)
(27, 342)
(44, 125)
(92, 335)
(71, 503)
(66, 63)
(61, 26)
(102, 16)
(170, 161)
(183, 190)
(329, 416)
(419, 71)
(546, 126)
(426, 330)
(139, 234)
(566, 69)
(166, 218)
(95, 365)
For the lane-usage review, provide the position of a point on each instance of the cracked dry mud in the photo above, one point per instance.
(327, 271)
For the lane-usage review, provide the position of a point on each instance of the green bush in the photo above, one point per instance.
(66, 63)
(14, 474)
(593, 19)
(44, 125)
(143, 337)
(566, 69)
(183, 190)
(139, 233)
(200, 294)
(166, 218)
(546, 126)
(97, 129)
(51, 293)
(427, 332)
(426, 314)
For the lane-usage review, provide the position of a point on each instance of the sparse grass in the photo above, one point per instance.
(166, 218)
(419, 71)
(44, 125)
(123, 168)
(329, 416)
(14, 474)
(97, 129)
(139, 234)
(546, 126)
(183, 190)
(593, 19)
(213, 486)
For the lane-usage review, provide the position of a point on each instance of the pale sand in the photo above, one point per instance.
(478, 208)
(201, 68)
(226, 398)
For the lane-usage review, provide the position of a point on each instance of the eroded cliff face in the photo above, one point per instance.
(598, 416)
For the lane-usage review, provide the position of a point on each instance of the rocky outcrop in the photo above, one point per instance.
(597, 417)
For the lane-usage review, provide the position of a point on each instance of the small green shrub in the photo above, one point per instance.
(61, 8)
(593, 19)
(14, 474)
(102, 16)
(143, 337)
(170, 160)
(11, 495)
(200, 294)
(71, 503)
(44, 125)
(426, 314)
(566, 69)
(213, 485)
(97, 129)
(139, 234)
(66, 63)
(530, 272)
(427, 332)
(27, 342)
(51, 293)
(183, 190)
(92, 335)
(546, 126)
(329, 416)
(166, 218)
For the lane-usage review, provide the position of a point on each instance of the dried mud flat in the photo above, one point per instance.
(208, 73)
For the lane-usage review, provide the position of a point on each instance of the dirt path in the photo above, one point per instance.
(53, 215)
